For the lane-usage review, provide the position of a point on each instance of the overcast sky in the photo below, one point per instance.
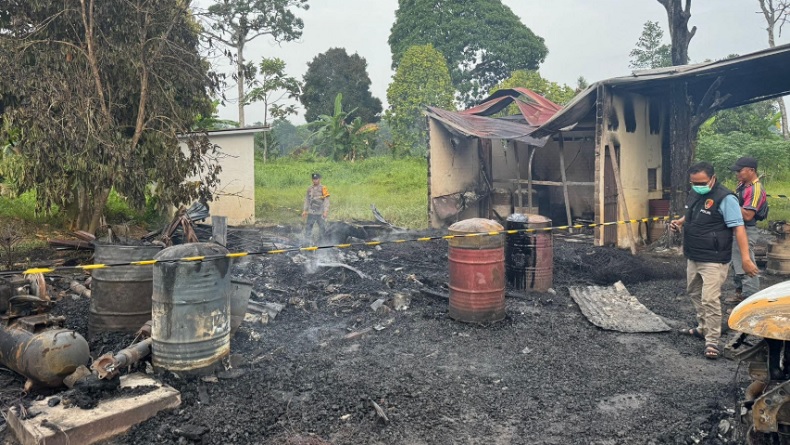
(584, 37)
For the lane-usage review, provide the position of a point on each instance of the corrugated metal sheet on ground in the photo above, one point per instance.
(614, 308)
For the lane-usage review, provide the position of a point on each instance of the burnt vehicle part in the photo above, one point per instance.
(765, 409)
(37, 346)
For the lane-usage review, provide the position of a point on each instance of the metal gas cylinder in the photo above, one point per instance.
(40, 349)
(191, 308)
(477, 272)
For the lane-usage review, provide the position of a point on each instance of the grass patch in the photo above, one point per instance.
(23, 207)
(398, 188)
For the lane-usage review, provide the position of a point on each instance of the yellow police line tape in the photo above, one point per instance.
(46, 270)
(778, 196)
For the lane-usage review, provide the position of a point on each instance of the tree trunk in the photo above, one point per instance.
(771, 19)
(98, 204)
(681, 146)
(240, 80)
(681, 135)
(783, 111)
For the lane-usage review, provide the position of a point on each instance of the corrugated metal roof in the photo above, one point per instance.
(535, 108)
(484, 127)
(749, 78)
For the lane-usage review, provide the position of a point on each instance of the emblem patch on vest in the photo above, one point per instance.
(708, 203)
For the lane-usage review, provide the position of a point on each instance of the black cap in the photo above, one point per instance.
(744, 162)
(316, 175)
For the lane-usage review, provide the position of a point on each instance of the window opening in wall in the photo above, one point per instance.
(652, 179)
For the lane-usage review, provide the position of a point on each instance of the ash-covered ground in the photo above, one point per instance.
(544, 375)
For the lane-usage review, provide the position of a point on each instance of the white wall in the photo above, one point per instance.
(235, 195)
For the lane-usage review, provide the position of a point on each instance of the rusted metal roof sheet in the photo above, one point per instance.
(535, 108)
(749, 78)
(484, 127)
(614, 308)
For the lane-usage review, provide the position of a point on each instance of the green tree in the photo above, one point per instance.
(212, 121)
(289, 137)
(335, 72)
(553, 91)
(760, 119)
(341, 138)
(651, 51)
(581, 84)
(105, 88)
(235, 23)
(422, 79)
(722, 150)
(272, 86)
(483, 41)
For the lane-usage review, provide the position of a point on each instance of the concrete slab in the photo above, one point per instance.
(66, 426)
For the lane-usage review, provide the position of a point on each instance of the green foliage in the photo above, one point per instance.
(722, 150)
(273, 85)
(289, 137)
(212, 121)
(396, 186)
(650, 52)
(760, 119)
(422, 79)
(482, 40)
(559, 94)
(335, 72)
(107, 114)
(340, 139)
(235, 23)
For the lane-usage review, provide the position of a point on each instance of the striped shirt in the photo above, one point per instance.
(751, 197)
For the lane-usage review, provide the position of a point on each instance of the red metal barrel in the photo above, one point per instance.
(477, 272)
(529, 256)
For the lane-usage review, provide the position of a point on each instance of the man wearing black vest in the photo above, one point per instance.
(713, 216)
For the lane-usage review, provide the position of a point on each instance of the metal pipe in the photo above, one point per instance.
(108, 365)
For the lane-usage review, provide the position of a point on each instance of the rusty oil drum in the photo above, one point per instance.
(240, 291)
(191, 309)
(477, 272)
(121, 296)
(529, 256)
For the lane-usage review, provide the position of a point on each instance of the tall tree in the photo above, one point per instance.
(483, 41)
(272, 85)
(98, 88)
(651, 51)
(235, 23)
(336, 72)
(776, 13)
(422, 79)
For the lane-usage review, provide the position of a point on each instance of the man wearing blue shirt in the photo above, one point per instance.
(713, 216)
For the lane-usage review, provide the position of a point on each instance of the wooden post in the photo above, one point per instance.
(219, 230)
(621, 197)
(565, 183)
(532, 151)
(518, 177)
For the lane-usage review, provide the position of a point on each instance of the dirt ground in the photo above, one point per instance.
(544, 375)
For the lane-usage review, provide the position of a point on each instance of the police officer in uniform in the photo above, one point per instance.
(316, 208)
(713, 216)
